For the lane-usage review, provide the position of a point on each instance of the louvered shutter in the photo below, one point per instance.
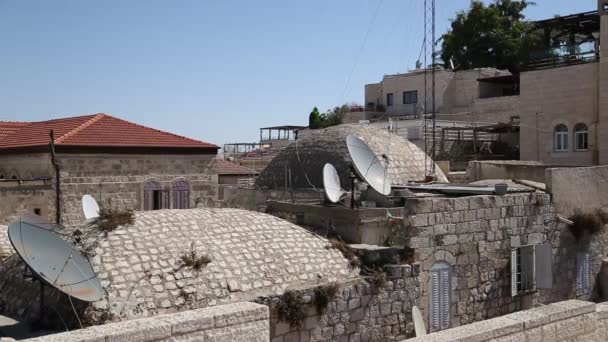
(445, 298)
(440, 297)
(165, 199)
(583, 273)
(543, 256)
(514, 273)
(434, 301)
(148, 200)
(587, 273)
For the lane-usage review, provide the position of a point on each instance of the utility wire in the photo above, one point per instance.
(369, 28)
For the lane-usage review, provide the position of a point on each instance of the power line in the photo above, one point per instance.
(369, 28)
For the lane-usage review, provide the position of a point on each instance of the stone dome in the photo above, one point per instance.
(252, 254)
(307, 156)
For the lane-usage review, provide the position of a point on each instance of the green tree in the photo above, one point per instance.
(496, 35)
(314, 119)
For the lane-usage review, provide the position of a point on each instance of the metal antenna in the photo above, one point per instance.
(429, 77)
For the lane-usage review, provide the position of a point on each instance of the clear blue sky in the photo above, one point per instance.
(215, 70)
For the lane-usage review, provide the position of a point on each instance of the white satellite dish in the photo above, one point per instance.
(53, 261)
(90, 208)
(367, 165)
(331, 184)
(419, 326)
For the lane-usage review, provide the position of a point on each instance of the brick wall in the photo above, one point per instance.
(571, 320)
(240, 322)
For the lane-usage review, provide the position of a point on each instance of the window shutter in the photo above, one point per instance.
(445, 298)
(434, 301)
(514, 272)
(148, 200)
(544, 266)
(165, 199)
(583, 273)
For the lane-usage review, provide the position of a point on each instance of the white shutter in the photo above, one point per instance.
(583, 273)
(445, 298)
(544, 266)
(514, 274)
(434, 301)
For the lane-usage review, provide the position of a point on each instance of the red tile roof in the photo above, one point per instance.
(98, 130)
(225, 167)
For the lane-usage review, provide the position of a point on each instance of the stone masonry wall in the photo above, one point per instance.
(20, 197)
(360, 312)
(240, 322)
(119, 179)
(475, 236)
(569, 321)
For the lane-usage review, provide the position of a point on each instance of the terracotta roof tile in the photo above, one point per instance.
(225, 167)
(99, 130)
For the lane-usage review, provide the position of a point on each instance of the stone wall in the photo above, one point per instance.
(475, 236)
(359, 312)
(118, 179)
(567, 95)
(571, 320)
(6, 249)
(26, 197)
(565, 185)
(510, 169)
(240, 322)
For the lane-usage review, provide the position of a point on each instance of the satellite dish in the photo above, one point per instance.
(331, 184)
(54, 261)
(419, 326)
(367, 165)
(90, 208)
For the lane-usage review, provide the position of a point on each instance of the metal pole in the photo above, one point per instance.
(433, 84)
(57, 180)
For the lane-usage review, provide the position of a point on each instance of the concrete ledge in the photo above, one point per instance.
(558, 320)
(190, 324)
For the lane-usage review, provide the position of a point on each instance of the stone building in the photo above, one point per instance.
(473, 252)
(558, 98)
(300, 164)
(112, 159)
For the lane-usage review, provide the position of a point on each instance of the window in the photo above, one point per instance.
(583, 273)
(531, 269)
(181, 194)
(410, 97)
(561, 138)
(389, 99)
(154, 197)
(37, 211)
(581, 137)
(440, 282)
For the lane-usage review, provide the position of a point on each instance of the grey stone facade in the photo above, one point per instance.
(305, 158)
(6, 249)
(475, 236)
(359, 312)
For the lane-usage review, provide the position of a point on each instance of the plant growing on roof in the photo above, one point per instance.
(111, 218)
(346, 251)
(193, 260)
(290, 308)
(591, 222)
(325, 294)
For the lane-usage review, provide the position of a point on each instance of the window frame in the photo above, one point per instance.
(413, 96)
(389, 99)
(539, 265)
(180, 194)
(560, 137)
(578, 133)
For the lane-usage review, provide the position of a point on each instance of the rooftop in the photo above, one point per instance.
(225, 167)
(96, 130)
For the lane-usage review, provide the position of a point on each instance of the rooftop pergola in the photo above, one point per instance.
(284, 132)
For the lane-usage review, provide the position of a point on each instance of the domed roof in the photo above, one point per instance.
(251, 254)
(304, 159)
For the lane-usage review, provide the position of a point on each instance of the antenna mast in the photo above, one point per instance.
(429, 81)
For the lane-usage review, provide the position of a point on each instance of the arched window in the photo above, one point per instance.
(440, 290)
(581, 137)
(154, 196)
(181, 194)
(561, 138)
